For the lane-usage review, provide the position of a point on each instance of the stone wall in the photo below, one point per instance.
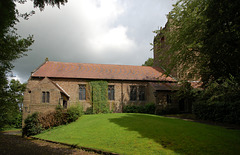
(121, 90)
(35, 87)
(33, 96)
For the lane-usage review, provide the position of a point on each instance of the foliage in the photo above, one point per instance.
(100, 96)
(218, 111)
(41, 3)
(32, 125)
(167, 110)
(74, 112)
(204, 40)
(12, 47)
(221, 40)
(18, 120)
(147, 109)
(123, 133)
(38, 122)
(12, 98)
(186, 92)
(219, 102)
(148, 62)
(52, 119)
(89, 111)
(183, 34)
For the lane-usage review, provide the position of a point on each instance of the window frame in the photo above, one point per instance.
(45, 97)
(111, 92)
(82, 92)
(133, 93)
(142, 93)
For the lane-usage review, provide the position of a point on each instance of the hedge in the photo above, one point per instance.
(37, 122)
(218, 111)
(148, 109)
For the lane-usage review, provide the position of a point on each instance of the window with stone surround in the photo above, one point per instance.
(141, 91)
(45, 97)
(133, 93)
(82, 92)
(111, 92)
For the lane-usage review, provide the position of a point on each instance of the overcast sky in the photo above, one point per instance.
(91, 31)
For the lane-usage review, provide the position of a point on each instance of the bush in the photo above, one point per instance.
(32, 125)
(89, 111)
(150, 108)
(167, 111)
(36, 122)
(60, 116)
(18, 121)
(219, 102)
(218, 111)
(52, 119)
(73, 113)
(147, 109)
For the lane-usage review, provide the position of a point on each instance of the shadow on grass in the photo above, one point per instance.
(173, 134)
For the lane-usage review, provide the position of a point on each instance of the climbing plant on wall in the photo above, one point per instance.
(99, 96)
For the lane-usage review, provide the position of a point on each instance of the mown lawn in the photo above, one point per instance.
(146, 134)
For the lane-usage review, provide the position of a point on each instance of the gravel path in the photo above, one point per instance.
(12, 144)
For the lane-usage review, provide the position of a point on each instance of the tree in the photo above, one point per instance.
(149, 62)
(11, 104)
(203, 38)
(221, 40)
(12, 45)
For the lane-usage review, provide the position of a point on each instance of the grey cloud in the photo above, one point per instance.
(62, 35)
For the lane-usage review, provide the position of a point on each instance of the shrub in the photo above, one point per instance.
(89, 111)
(167, 111)
(36, 122)
(147, 109)
(60, 116)
(150, 108)
(18, 121)
(218, 111)
(219, 102)
(73, 113)
(53, 119)
(32, 125)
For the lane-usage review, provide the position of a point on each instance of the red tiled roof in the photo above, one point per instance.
(99, 71)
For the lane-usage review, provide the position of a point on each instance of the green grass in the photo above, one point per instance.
(11, 129)
(146, 134)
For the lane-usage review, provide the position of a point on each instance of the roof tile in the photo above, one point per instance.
(99, 71)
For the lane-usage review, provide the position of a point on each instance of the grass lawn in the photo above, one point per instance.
(11, 129)
(146, 134)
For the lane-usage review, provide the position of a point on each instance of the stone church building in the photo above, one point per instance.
(66, 84)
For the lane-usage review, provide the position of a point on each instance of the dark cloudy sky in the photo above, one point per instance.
(91, 31)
